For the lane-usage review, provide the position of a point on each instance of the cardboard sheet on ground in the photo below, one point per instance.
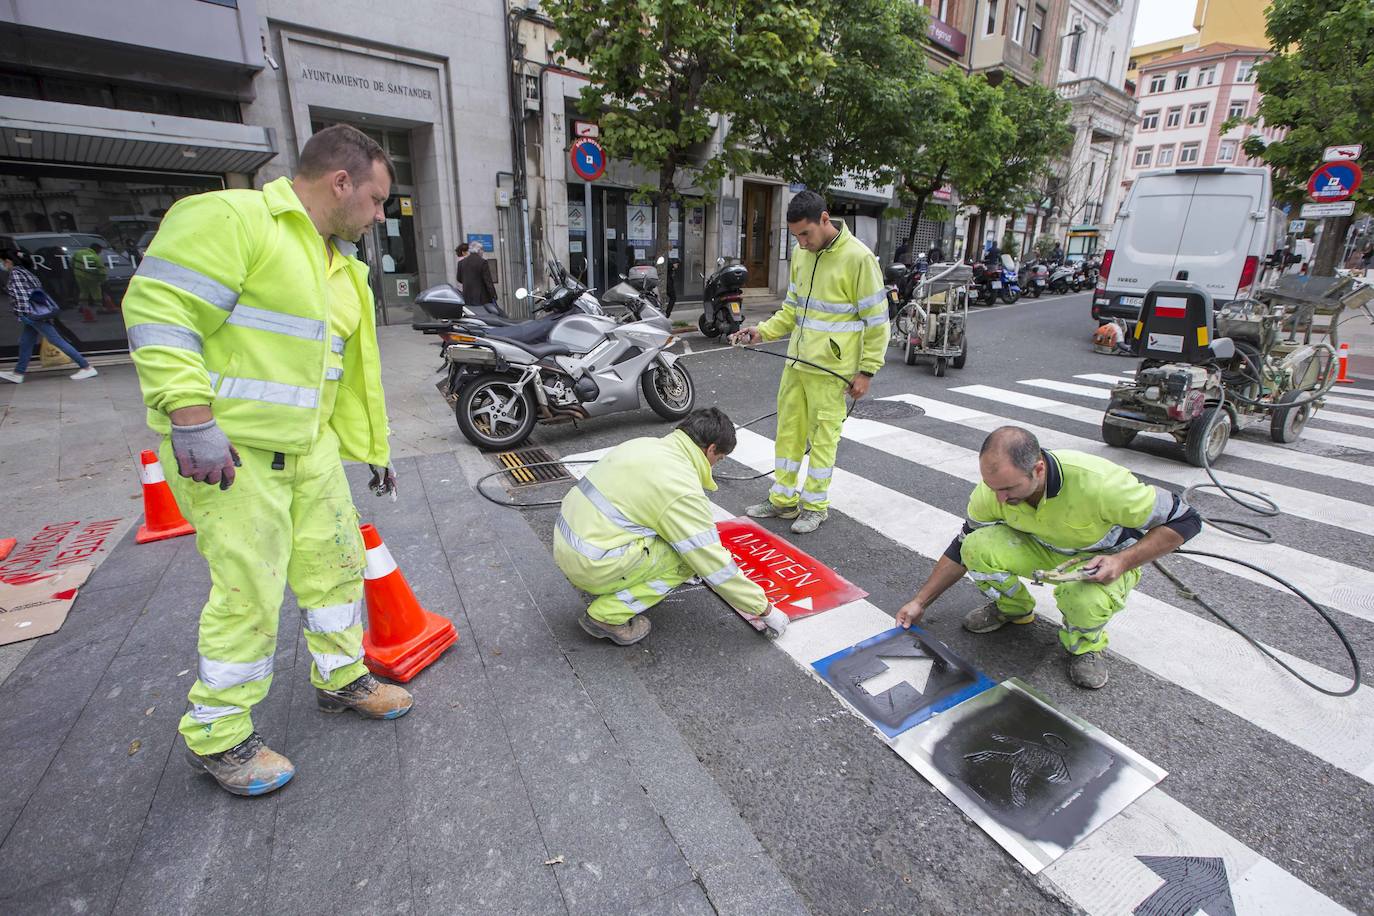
(796, 583)
(37, 604)
(1035, 778)
(900, 678)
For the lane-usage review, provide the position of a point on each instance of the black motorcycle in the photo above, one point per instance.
(722, 309)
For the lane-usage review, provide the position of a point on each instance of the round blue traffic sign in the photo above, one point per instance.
(588, 159)
(1334, 181)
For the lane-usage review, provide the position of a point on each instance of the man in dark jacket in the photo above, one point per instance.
(474, 275)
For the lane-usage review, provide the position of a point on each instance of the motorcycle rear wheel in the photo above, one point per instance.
(479, 397)
(707, 327)
(671, 393)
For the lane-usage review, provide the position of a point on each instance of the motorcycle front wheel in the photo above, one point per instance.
(492, 414)
(669, 391)
(1009, 296)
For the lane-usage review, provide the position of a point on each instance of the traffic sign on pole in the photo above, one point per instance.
(1334, 181)
(1317, 211)
(1348, 152)
(588, 159)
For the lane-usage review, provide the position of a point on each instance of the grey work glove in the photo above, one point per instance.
(204, 454)
(776, 621)
(383, 481)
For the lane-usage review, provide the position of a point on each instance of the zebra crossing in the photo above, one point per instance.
(1194, 653)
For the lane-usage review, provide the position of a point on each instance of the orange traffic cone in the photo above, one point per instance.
(6, 545)
(161, 517)
(402, 638)
(1343, 357)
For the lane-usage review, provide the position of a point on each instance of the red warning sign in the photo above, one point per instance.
(795, 582)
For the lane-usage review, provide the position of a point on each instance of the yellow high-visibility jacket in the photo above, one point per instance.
(642, 489)
(835, 308)
(229, 309)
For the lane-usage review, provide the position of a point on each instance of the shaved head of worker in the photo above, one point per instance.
(1072, 520)
(251, 324)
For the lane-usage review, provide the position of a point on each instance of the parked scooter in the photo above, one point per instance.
(570, 363)
(722, 307)
(992, 281)
(1062, 280)
(1034, 278)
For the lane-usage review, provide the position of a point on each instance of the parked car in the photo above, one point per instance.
(1210, 226)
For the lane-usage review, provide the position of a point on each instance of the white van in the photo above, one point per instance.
(1211, 226)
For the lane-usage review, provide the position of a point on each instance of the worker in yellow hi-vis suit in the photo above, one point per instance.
(836, 313)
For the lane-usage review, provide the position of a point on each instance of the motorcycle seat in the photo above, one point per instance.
(536, 330)
(542, 349)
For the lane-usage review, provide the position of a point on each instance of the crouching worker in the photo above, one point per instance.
(638, 525)
(1038, 510)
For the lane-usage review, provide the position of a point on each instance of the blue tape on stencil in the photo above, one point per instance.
(952, 680)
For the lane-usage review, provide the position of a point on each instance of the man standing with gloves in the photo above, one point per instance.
(836, 313)
(251, 325)
(639, 525)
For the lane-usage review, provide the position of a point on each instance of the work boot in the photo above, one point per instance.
(248, 768)
(809, 520)
(368, 697)
(768, 510)
(1088, 670)
(989, 617)
(625, 634)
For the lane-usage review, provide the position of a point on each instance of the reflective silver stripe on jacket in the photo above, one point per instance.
(222, 675)
(722, 575)
(604, 506)
(832, 308)
(246, 316)
(590, 551)
(630, 601)
(188, 281)
(333, 373)
(336, 343)
(1168, 506)
(333, 619)
(207, 714)
(1112, 542)
(878, 298)
(660, 587)
(702, 539)
(818, 324)
(786, 464)
(329, 662)
(875, 320)
(164, 335)
(252, 389)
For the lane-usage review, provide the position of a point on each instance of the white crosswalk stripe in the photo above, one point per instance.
(1317, 507)
(1328, 581)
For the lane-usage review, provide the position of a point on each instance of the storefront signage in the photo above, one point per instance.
(407, 208)
(796, 583)
(946, 192)
(947, 36)
(588, 159)
(353, 81)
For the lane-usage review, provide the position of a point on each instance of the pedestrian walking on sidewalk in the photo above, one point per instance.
(251, 326)
(639, 524)
(474, 275)
(836, 313)
(37, 312)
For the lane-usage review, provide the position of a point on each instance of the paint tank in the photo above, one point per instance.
(579, 333)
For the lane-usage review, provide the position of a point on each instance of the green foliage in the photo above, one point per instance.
(1040, 131)
(1320, 88)
(1044, 246)
(850, 121)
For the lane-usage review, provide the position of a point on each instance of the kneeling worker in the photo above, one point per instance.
(639, 525)
(1034, 511)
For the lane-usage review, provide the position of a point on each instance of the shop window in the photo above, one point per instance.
(119, 96)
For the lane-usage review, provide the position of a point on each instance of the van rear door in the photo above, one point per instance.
(1150, 233)
(1220, 230)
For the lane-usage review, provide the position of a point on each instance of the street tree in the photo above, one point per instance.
(661, 72)
(1317, 89)
(853, 121)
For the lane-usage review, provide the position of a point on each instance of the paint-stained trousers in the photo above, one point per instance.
(810, 407)
(996, 555)
(296, 526)
(645, 585)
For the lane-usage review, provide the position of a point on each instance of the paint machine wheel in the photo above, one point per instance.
(1287, 422)
(1207, 437)
(940, 363)
(1116, 436)
(958, 361)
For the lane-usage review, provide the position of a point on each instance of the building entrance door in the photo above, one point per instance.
(758, 232)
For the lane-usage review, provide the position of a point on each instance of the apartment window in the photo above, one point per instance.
(940, 9)
(1037, 30)
(1207, 76)
(1227, 151)
(1158, 82)
(1197, 114)
(1237, 109)
(1166, 156)
(1150, 121)
(1142, 156)
(990, 27)
(1187, 154)
(1173, 117)
(1180, 80)
(1076, 45)
(1018, 23)
(1245, 71)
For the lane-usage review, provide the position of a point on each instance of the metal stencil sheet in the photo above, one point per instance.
(1034, 778)
(945, 679)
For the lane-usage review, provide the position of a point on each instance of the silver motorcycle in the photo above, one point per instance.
(570, 362)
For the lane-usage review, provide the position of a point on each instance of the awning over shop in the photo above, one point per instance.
(85, 135)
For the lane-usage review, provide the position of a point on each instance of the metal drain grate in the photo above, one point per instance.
(519, 472)
(886, 410)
